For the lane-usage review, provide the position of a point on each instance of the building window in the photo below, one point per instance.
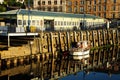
(55, 9)
(99, 14)
(94, 8)
(61, 23)
(105, 8)
(39, 3)
(37, 22)
(113, 15)
(75, 3)
(24, 22)
(99, 8)
(105, 1)
(99, 1)
(69, 9)
(114, 1)
(49, 2)
(60, 2)
(75, 9)
(113, 7)
(82, 2)
(19, 22)
(55, 2)
(89, 8)
(43, 2)
(33, 22)
(49, 8)
(64, 22)
(55, 23)
(69, 3)
(104, 15)
(94, 1)
(43, 8)
(58, 23)
(81, 9)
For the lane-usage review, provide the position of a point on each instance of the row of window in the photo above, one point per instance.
(32, 22)
(56, 23)
(40, 22)
(49, 2)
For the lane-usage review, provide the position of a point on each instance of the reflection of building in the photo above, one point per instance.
(104, 8)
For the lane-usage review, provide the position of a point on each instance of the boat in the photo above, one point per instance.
(80, 50)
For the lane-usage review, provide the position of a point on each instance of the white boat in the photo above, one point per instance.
(80, 50)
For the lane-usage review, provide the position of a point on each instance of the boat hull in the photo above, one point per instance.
(80, 53)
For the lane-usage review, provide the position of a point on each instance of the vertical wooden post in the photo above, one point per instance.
(99, 56)
(52, 44)
(0, 63)
(103, 37)
(87, 35)
(93, 38)
(98, 34)
(113, 36)
(74, 35)
(68, 40)
(48, 42)
(52, 67)
(41, 43)
(81, 35)
(59, 38)
(8, 40)
(117, 35)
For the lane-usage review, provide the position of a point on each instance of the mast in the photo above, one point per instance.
(28, 29)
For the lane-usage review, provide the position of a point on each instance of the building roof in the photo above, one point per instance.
(46, 13)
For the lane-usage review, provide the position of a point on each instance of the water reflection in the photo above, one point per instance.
(102, 62)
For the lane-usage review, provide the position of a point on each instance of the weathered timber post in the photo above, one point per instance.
(93, 38)
(99, 56)
(41, 43)
(74, 36)
(52, 44)
(59, 36)
(68, 40)
(64, 41)
(38, 45)
(52, 67)
(108, 37)
(68, 66)
(87, 35)
(103, 37)
(113, 36)
(49, 43)
(117, 35)
(81, 35)
(15, 62)
(98, 34)
(8, 63)
(0, 63)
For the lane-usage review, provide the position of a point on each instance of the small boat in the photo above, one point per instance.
(80, 50)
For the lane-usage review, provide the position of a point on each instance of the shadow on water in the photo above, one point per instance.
(101, 63)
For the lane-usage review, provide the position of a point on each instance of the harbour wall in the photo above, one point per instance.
(48, 44)
(58, 42)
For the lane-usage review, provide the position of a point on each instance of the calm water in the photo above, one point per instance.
(103, 64)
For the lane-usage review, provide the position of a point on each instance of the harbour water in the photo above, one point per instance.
(103, 64)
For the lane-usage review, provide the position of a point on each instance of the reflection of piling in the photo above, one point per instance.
(0, 63)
